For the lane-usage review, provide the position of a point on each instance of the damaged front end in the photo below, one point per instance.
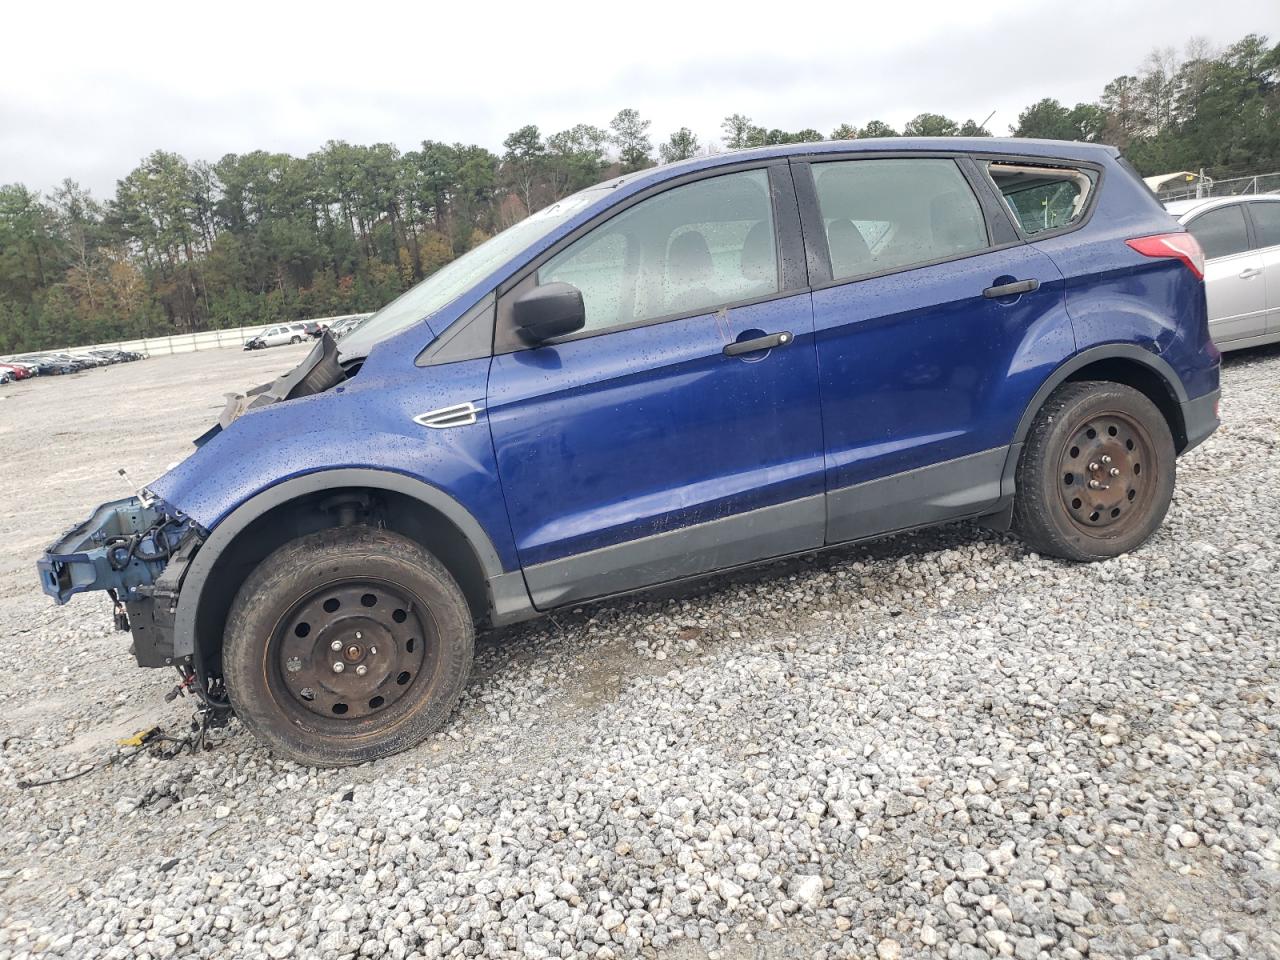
(137, 550)
(320, 370)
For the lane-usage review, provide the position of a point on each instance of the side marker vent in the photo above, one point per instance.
(459, 415)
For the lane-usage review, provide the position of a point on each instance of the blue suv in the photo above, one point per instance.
(684, 370)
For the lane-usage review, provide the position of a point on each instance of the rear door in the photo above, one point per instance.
(638, 450)
(934, 327)
(1265, 215)
(1235, 287)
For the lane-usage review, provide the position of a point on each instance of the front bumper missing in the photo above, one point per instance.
(138, 552)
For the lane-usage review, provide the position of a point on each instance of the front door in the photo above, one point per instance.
(652, 446)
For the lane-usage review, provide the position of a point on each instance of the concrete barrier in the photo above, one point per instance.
(191, 342)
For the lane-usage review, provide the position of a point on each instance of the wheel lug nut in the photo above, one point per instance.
(361, 670)
(1095, 485)
(1093, 466)
(336, 645)
(1115, 471)
(1105, 458)
(358, 636)
(339, 666)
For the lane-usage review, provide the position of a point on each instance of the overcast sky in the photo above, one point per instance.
(88, 89)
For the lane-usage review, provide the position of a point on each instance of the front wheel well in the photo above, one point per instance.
(321, 510)
(1150, 383)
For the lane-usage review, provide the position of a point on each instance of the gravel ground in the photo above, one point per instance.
(939, 745)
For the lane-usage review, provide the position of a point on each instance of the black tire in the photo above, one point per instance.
(1096, 474)
(295, 339)
(356, 588)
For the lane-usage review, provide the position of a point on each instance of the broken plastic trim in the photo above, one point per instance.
(316, 374)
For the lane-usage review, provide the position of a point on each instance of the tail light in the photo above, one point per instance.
(1179, 246)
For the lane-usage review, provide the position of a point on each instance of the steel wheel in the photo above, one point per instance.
(350, 650)
(1096, 474)
(347, 645)
(1102, 485)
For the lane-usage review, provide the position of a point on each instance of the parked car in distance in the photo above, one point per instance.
(341, 328)
(111, 355)
(16, 371)
(697, 366)
(42, 366)
(314, 328)
(275, 336)
(5, 376)
(1240, 237)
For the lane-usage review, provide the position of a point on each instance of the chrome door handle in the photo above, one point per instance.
(1248, 272)
(759, 343)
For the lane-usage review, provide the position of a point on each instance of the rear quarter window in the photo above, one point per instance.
(1043, 198)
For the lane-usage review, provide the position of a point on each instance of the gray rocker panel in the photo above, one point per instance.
(939, 492)
(702, 548)
(965, 487)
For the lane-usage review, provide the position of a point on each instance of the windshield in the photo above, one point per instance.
(457, 277)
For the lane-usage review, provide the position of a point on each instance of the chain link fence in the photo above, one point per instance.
(1230, 187)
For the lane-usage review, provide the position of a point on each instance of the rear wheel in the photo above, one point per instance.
(346, 646)
(295, 339)
(1097, 472)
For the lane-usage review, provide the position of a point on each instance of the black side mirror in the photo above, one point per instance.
(549, 311)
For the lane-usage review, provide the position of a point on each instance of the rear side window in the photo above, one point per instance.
(883, 215)
(1043, 198)
(1266, 222)
(1221, 232)
(693, 248)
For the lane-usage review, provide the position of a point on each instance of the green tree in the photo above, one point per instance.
(681, 145)
(575, 158)
(1046, 119)
(739, 132)
(846, 131)
(971, 128)
(930, 125)
(522, 163)
(630, 135)
(877, 128)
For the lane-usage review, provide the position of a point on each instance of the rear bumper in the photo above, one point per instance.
(1200, 417)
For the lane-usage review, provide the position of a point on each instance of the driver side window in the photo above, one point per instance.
(689, 250)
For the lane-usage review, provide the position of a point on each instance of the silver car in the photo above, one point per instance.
(274, 336)
(1240, 237)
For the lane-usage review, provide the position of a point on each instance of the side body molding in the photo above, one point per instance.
(509, 596)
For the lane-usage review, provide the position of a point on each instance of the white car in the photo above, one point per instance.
(275, 336)
(1240, 237)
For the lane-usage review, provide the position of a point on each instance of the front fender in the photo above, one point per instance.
(365, 424)
(361, 433)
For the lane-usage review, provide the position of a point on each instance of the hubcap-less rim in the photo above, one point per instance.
(1106, 473)
(350, 653)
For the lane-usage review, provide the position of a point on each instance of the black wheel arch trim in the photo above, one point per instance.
(1000, 519)
(1106, 351)
(239, 519)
